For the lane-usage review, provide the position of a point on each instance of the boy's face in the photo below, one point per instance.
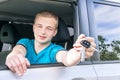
(44, 29)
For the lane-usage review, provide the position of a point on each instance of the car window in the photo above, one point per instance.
(21, 18)
(108, 30)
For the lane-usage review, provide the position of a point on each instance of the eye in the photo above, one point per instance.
(50, 28)
(38, 25)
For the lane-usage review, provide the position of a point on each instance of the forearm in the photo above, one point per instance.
(70, 58)
(18, 49)
(73, 57)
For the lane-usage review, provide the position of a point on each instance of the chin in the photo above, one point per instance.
(44, 42)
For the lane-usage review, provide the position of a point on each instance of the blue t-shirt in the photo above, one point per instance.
(47, 55)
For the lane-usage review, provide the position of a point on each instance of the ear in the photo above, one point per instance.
(33, 27)
(55, 32)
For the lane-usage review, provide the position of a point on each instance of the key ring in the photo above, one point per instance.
(82, 54)
(86, 44)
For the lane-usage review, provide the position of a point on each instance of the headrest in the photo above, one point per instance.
(7, 34)
(63, 33)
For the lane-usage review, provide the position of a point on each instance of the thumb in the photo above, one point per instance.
(27, 62)
(80, 37)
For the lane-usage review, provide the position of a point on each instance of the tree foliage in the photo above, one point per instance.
(109, 51)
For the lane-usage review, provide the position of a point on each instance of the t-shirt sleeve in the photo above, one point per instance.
(24, 42)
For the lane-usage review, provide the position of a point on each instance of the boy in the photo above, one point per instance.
(41, 50)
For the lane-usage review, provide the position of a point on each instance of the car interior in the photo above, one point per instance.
(16, 22)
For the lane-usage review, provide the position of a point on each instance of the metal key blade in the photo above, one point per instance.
(83, 54)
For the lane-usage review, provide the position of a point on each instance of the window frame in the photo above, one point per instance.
(92, 24)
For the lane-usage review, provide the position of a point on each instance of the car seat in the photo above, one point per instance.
(62, 35)
(0, 44)
(8, 38)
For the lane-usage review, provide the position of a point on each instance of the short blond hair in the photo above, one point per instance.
(48, 14)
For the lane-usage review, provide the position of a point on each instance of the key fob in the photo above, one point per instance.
(85, 43)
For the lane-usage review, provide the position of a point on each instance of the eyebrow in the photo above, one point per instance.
(47, 26)
(37, 24)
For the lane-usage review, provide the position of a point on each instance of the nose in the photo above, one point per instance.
(43, 31)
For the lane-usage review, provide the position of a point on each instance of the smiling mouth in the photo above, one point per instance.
(42, 37)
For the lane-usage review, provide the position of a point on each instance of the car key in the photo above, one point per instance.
(85, 44)
(82, 54)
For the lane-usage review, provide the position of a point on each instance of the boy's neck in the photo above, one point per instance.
(39, 47)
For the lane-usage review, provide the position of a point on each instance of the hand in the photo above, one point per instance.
(89, 51)
(17, 63)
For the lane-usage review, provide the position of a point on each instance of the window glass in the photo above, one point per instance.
(108, 31)
(118, 1)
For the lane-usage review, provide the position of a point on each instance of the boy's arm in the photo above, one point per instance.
(73, 56)
(16, 60)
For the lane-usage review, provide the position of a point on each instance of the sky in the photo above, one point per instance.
(114, 0)
(108, 21)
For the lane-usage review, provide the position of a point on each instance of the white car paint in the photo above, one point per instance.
(109, 71)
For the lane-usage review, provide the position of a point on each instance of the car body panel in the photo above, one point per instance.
(81, 19)
(54, 73)
(108, 71)
(79, 72)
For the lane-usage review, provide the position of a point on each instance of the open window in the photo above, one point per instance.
(20, 17)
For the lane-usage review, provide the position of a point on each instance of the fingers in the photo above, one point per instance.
(17, 63)
(89, 54)
(89, 51)
(17, 68)
(27, 62)
(81, 37)
(22, 64)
